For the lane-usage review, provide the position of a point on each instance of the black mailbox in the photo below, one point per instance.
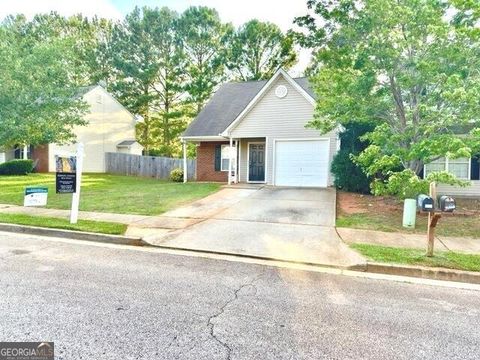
(447, 203)
(425, 203)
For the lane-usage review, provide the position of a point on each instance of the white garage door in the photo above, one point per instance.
(301, 163)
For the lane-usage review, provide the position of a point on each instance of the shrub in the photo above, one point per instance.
(407, 185)
(349, 175)
(16, 167)
(176, 175)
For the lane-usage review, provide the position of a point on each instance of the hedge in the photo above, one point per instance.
(16, 167)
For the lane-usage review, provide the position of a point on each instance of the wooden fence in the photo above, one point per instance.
(148, 166)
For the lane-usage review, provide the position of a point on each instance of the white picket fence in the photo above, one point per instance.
(148, 166)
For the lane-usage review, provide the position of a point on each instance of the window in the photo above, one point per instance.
(434, 166)
(458, 167)
(226, 150)
(19, 152)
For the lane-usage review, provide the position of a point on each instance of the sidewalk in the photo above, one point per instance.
(138, 225)
(161, 225)
(84, 215)
(419, 241)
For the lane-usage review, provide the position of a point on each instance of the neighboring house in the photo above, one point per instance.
(464, 169)
(256, 131)
(110, 128)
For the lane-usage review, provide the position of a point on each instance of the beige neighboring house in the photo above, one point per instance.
(110, 128)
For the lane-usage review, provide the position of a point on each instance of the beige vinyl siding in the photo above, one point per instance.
(278, 118)
(109, 123)
(470, 191)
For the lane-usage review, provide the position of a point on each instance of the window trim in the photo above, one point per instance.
(222, 158)
(469, 164)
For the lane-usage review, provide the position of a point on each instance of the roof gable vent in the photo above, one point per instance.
(281, 91)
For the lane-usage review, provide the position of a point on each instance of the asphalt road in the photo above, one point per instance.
(115, 303)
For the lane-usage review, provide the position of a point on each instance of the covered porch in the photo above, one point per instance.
(229, 160)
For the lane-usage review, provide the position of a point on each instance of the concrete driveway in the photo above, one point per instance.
(291, 224)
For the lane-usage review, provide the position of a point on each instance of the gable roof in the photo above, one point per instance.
(126, 143)
(230, 101)
(84, 90)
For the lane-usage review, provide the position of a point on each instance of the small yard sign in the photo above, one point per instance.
(35, 196)
(66, 176)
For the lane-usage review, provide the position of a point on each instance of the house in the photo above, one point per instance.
(464, 169)
(256, 132)
(110, 128)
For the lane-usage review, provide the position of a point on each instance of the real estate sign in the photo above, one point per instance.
(66, 176)
(35, 196)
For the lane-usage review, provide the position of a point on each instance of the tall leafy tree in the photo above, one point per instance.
(37, 96)
(203, 37)
(89, 39)
(149, 63)
(406, 66)
(258, 49)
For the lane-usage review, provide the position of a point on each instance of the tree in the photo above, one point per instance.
(89, 39)
(203, 37)
(258, 49)
(404, 65)
(37, 97)
(150, 67)
(349, 176)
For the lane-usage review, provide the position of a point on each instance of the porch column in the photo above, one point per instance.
(230, 162)
(25, 152)
(237, 163)
(185, 167)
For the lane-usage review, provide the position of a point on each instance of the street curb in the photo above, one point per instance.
(357, 267)
(424, 272)
(369, 267)
(71, 234)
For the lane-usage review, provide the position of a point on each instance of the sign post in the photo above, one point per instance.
(76, 194)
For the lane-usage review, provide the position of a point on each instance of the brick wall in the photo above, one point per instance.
(40, 156)
(206, 163)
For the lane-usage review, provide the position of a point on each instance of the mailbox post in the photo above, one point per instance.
(432, 221)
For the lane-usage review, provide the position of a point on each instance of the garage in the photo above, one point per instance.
(301, 163)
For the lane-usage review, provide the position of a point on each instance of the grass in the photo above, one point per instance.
(110, 193)
(59, 223)
(449, 225)
(444, 259)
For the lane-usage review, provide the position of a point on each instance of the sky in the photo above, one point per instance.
(280, 12)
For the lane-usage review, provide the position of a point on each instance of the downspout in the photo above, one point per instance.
(185, 167)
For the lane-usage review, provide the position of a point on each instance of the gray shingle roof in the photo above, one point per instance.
(82, 90)
(125, 143)
(305, 85)
(227, 103)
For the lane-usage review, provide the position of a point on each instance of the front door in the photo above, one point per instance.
(256, 162)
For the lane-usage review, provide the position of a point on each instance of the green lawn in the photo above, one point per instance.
(57, 223)
(444, 259)
(110, 193)
(448, 225)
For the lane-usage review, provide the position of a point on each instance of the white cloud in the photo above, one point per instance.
(29, 8)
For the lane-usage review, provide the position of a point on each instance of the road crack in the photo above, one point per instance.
(211, 324)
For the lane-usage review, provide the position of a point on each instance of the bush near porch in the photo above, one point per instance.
(384, 213)
(110, 193)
